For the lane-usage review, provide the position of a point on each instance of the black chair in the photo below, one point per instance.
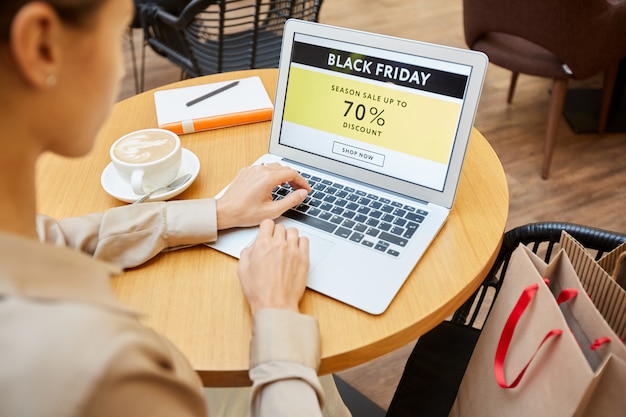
(172, 6)
(136, 24)
(435, 368)
(212, 36)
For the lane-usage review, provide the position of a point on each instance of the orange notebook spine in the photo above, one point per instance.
(216, 122)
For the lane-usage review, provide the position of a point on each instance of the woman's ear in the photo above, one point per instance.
(34, 43)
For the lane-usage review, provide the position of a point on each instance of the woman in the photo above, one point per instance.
(68, 348)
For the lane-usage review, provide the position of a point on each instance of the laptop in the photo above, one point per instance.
(379, 126)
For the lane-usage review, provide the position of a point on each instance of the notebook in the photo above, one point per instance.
(381, 125)
(212, 106)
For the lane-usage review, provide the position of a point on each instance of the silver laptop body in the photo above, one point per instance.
(379, 126)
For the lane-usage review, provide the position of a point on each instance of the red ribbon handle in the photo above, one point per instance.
(507, 335)
(566, 295)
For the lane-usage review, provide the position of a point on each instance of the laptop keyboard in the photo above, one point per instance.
(361, 217)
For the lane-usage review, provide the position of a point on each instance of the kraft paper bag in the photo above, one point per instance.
(545, 350)
(601, 280)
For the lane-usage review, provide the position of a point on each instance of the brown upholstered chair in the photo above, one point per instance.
(558, 39)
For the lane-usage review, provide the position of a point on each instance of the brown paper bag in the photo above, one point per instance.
(603, 348)
(530, 362)
(597, 279)
(619, 268)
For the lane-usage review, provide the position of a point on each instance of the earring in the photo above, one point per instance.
(51, 80)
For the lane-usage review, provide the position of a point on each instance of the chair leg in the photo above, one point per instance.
(132, 54)
(512, 85)
(142, 77)
(610, 75)
(138, 73)
(559, 90)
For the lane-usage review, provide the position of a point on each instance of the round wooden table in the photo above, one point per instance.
(193, 295)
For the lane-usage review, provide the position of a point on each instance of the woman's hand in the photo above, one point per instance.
(274, 269)
(248, 199)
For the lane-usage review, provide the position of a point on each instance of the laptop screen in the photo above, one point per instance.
(387, 112)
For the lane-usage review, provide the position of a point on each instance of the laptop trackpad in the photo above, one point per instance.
(233, 241)
(318, 249)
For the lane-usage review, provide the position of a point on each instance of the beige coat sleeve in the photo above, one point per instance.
(285, 346)
(284, 359)
(145, 375)
(130, 235)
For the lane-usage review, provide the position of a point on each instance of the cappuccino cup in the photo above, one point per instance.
(147, 159)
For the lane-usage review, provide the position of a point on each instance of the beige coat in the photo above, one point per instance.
(68, 348)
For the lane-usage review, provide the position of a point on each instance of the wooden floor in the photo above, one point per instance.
(587, 183)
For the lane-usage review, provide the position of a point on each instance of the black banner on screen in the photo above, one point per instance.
(359, 65)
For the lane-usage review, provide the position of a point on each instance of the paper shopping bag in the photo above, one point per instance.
(528, 362)
(603, 349)
(599, 280)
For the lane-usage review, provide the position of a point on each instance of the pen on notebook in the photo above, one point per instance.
(212, 93)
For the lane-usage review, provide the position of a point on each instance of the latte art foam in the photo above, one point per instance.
(144, 148)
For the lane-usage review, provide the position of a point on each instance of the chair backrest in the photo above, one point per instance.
(210, 36)
(587, 35)
(541, 238)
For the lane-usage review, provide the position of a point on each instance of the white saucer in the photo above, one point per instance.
(116, 187)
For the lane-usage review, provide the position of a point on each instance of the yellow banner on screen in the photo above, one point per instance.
(410, 123)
